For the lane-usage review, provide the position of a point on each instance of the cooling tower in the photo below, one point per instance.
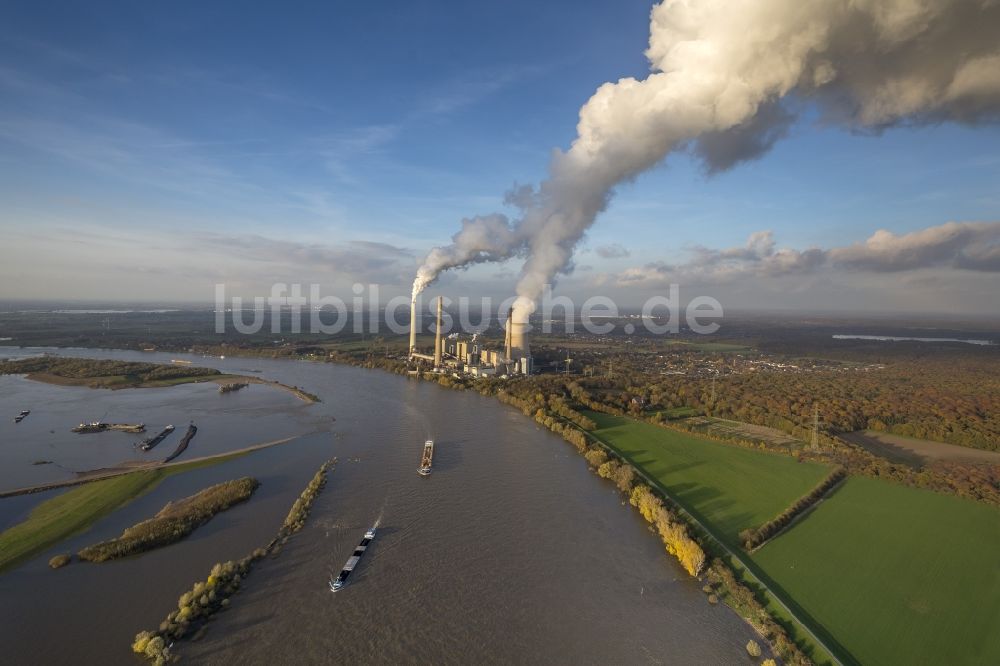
(413, 325)
(437, 338)
(519, 340)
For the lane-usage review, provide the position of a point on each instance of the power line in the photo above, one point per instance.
(815, 433)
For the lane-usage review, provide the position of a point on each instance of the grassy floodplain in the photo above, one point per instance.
(80, 507)
(892, 574)
(727, 487)
(899, 575)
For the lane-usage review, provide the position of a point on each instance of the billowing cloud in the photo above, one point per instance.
(968, 245)
(971, 246)
(726, 80)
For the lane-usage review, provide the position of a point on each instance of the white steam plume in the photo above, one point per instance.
(726, 78)
(484, 238)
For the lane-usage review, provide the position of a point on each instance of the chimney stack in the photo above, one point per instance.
(507, 337)
(437, 337)
(413, 326)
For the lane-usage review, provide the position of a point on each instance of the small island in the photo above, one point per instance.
(111, 374)
(174, 522)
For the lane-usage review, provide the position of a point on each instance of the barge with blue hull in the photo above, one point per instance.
(352, 562)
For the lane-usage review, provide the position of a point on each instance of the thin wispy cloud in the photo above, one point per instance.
(612, 251)
(472, 88)
(359, 260)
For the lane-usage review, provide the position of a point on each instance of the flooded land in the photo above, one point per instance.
(511, 551)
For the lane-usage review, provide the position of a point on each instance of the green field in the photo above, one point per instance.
(897, 575)
(894, 575)
(727, 487)
(678, 412)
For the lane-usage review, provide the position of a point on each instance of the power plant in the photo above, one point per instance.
(471, 357)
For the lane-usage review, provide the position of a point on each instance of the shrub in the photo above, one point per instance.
(155, 647)
(596, 457)
(753, 649)
(60, 561)
(141, 641)
(674, 534)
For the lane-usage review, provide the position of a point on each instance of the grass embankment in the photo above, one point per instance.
(898, 575)
(79, 507)
(174, 522)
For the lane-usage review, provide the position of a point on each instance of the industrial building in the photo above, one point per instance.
(470, 356)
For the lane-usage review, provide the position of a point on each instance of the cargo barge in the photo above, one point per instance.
(150, 442)
(341, 580)
(100, 426)
(427, 458)
(192, 429)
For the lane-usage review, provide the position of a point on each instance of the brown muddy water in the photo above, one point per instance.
(510, 552)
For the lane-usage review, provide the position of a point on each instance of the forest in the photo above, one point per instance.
(944, 397)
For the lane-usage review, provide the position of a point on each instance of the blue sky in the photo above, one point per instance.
(140, 143)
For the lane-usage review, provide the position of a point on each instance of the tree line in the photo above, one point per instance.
(753, 537)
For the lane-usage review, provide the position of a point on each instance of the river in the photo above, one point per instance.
(510, 552)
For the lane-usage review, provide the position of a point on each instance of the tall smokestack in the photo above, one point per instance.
(507, 337)
(437, 337)
(413, 326)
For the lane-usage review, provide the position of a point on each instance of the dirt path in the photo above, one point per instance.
(916, 451)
